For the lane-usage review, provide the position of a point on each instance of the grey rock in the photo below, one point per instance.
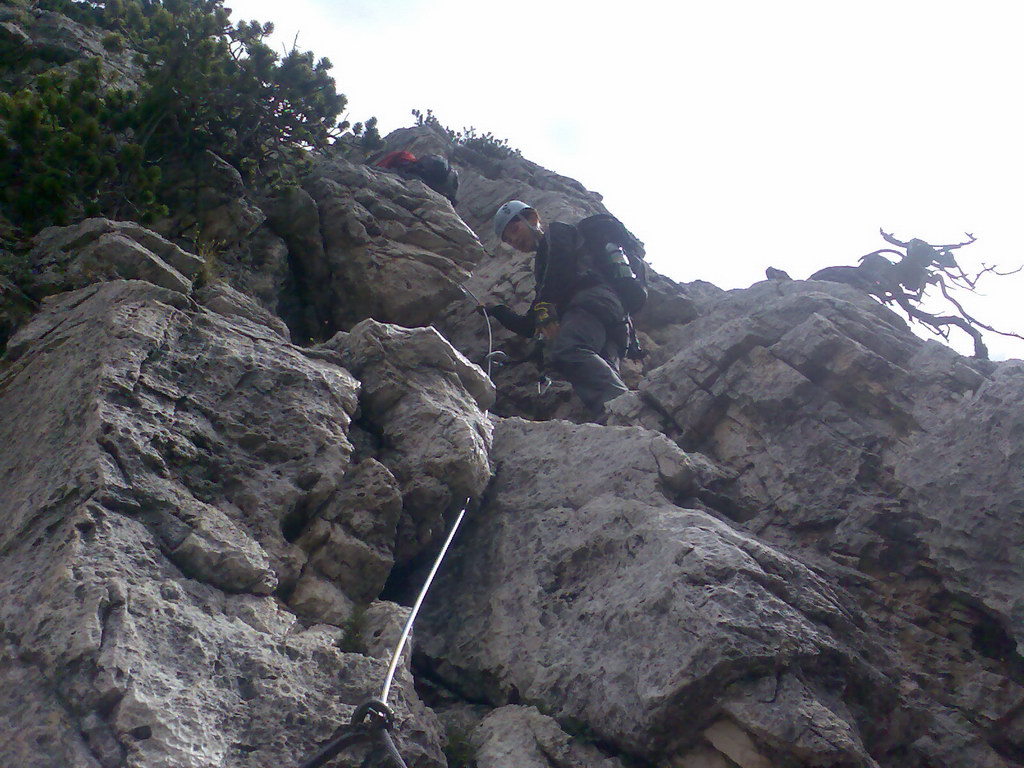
(351, 539)
(131, 260)
(217, 436)
(795, 721)
(47, 40)
(395, 250)
(964, 472)
(154, 455)
(317, 598)
(380, 631)
(382, 627)
(225, 300)
(427, 403)
(217, 552)
(66, 258)
(524, 737)
(13, 35)
(39, 730)
(555, 601)
(259, 268)
(59, 38)
(888, 462)
(15, 308)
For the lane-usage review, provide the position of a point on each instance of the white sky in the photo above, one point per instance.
(729, 136)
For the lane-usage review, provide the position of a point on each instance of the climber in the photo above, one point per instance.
(585, 283)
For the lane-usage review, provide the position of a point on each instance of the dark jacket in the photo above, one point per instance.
(560, 267)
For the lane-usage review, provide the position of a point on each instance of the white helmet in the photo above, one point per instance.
(507, 212)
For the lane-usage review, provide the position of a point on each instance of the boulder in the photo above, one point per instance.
(427, 404)
(365, 243)
(66, 258)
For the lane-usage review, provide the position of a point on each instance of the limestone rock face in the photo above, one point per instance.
(964, 472)
(427, 404)
(370, 244)
(581, 588)
(65, 258)
(795, 543)
(523, 737)
(15, 308)
(843, 431)
(156, 459)
(888, 462)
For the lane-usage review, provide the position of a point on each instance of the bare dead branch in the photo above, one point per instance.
(890, 239)
(962, 280)
(959, 278)
(973, 320)
(971, 239)
(939, 325)
(994, 269)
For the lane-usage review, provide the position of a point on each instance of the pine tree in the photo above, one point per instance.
(71, 146)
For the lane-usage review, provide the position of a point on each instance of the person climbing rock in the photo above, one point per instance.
(586, 285)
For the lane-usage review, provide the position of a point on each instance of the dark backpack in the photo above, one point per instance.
(437, 174)
(598, 232)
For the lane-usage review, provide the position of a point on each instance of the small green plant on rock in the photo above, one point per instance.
(458, 747)
(485, 143)
(354, 632)
(210, 251)
(113, 42)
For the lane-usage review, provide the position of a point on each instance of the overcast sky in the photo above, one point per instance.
(729, 136)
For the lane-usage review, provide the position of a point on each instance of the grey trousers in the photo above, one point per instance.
(591, 338)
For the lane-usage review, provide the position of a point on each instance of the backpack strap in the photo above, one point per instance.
(617, 257)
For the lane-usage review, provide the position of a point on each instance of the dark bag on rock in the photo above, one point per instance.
(437, 174)
(617, 257)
